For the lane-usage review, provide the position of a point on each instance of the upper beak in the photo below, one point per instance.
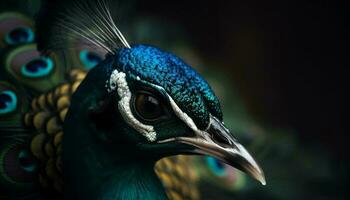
(217, 141)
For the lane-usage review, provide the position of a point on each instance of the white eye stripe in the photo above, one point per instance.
(118, 81)
(186, 119)
(182, 115)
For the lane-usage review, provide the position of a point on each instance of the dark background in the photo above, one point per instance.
(287, 58)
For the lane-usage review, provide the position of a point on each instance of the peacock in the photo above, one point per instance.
(86, 115)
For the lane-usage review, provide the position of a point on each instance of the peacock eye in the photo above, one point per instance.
(38, 67)
(89, 58)
(19, 35)
(26, 161)
(217, 167)
(8, 101)
(148, 107)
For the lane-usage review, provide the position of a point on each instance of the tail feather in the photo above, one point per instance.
(25, 75)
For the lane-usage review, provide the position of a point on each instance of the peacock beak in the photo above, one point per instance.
(217, 141)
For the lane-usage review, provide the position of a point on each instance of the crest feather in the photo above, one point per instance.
(88, 22)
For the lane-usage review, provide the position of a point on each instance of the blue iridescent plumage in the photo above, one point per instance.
(8, 101)
(89, 59)
(188, 89)
(38, 67)
(19, 35)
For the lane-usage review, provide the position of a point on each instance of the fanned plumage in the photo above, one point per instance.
(36, 89)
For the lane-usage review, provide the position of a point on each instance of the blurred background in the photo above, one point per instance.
(278, 68)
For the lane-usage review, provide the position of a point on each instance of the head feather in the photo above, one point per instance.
(89, 22)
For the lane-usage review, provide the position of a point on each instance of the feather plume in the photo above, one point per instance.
(88, 21)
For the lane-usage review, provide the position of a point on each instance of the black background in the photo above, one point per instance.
(286, 57)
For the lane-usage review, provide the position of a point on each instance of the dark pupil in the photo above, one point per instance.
(219, 164)
(4, 99)
(19, 35)
(34, 65)
(148, 107)
(93, 58)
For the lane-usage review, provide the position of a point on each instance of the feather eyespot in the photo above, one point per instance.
(17, 164)
(19, 35)
(26, 161)
(15, 29)
(25, 64)
(225, 175)
(38, 67)
(89, 59)
(8, 102)
(217, 167)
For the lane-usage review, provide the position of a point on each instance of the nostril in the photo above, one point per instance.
(219, 138)
(218, 135)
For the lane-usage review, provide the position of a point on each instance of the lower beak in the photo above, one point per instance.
(218, 142)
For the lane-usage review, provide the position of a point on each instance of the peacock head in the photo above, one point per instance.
(147, 103)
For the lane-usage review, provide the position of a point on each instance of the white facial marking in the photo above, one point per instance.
(183, 116)
(186, 119)
(117, 81)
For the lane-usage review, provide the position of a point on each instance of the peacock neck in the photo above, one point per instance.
(132, 182)
(93, 176)
(94, 165)
(94, 170)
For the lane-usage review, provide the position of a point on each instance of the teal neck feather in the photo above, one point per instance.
(99, 178)
(137, 181)
(94, 166)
